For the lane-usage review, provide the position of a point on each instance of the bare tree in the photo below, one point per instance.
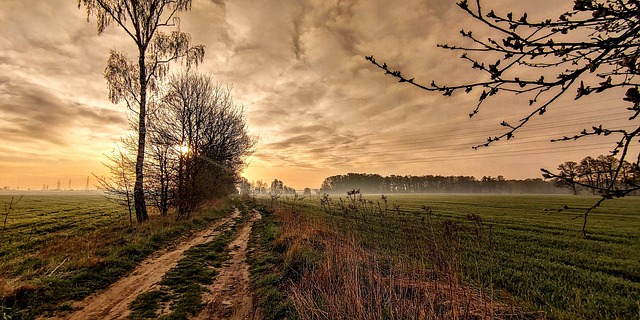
(244, 186)
(209, 137)
(186, 116)
(629, 175)
(591, 49)
(260, 187)
(569, 173)
(597, 173)
(160, 166)
(227, 141)
(276, 190)
(118, 186)
(131, 81)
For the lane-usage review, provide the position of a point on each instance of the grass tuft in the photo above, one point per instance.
(266, 258)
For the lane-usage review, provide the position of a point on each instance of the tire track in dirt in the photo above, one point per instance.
(229, 297)
(113, 303)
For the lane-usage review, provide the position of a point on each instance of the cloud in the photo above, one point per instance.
(32, 113)
(300, 66)
(303, 67)
(297, 65)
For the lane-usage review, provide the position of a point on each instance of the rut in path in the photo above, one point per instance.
(229, 297)
(113, 303)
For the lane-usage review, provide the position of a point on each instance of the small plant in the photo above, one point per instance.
(325, 203)
(396, 208)
(295, 202)
(386, 204)
(274, 198)
(428, 212)
(8, 208)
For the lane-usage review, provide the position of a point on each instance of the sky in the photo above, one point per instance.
(317, 107)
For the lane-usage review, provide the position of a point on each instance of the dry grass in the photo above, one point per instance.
(333, 277)
(70, 252)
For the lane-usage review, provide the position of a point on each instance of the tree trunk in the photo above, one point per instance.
(164, 186)
(181, 193)
(138, 189)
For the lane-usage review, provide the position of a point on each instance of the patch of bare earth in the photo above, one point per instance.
(229, 297)
(113, 303)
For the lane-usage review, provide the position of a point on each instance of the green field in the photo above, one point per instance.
(40, 222)
(521, 249)
(60, 247)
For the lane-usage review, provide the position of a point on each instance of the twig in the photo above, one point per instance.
(56, 268)
(7, 211)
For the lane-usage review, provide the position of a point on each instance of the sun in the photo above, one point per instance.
(184, 149)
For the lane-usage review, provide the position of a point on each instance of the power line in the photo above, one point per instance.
(449, 147)
(479, 133)
(495, 154)
(415, 142)
(492, 120)
(449, 136)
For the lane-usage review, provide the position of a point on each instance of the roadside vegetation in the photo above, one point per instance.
(58, 249)
(455, 256)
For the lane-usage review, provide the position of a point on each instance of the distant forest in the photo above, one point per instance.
(375, 183)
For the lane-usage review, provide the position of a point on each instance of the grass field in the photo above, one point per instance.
(59, 248)
(40, 223)
(511, 245)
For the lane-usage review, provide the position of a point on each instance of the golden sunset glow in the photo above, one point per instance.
(184, 149)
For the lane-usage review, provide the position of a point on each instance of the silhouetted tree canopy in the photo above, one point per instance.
(589, 50)
(595, 174)
(377, 184)
(199, 139)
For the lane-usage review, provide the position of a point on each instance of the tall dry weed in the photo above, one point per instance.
(334, 277)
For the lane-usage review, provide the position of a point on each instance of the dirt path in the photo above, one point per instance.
(229, 296)
(113, 303)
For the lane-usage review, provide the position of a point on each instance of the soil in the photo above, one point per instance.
(229, 297)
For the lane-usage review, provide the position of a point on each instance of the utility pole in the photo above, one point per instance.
(87, 187)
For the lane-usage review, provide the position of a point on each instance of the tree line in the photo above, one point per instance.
(593, 174)
(275, 189)
(375, 183)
